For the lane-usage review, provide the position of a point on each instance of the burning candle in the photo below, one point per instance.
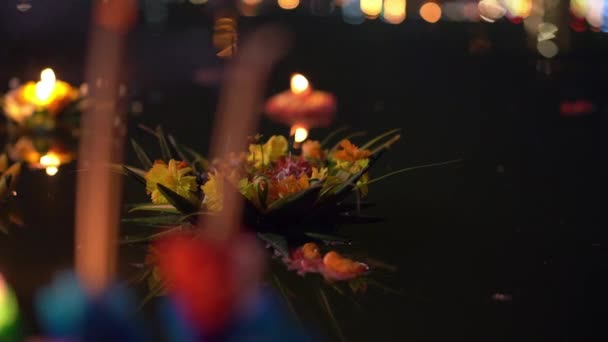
(44, 88)
(50, 162)
(301, 107)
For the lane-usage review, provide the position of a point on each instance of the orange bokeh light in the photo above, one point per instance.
(288, 4)
(394, 11)
(430, 12)
(371, 8)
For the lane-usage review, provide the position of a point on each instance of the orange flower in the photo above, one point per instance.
(344, 268)
(312, 149)
(287, 186)
(310, 250)
(350, 152)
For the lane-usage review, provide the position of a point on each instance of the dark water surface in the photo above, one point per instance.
(522, 218)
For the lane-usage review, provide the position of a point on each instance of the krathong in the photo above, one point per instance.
(295, 199)
(43, 106)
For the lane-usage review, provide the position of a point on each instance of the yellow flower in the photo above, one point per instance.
(350, 152)
(312, 149)
(352, 167)
(274, 148)
(176, 176)
(319, 174)
(214, 192)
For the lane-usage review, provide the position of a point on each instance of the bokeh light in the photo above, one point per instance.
(394, 11)
(288, 4)
(430, 12)
(547, 48)
(519, 8)
(351, 12)
(299, 133)
(299, 84)
(371, 8)
(8, 307)
(491, 10)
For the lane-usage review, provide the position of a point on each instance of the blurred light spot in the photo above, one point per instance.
(430, 12)
(198, 2)
(84, 89)
(546, 31)
(122, 90)
(299, 84)
(52, 170)
(8, 308)
(394, 11)
(252, 2)
(579, 8)
(502, 297)
(519, 8)
(453, 11)
(577, 24)
(137, 107)
(471, 11)
(371, 8)
(14, 193)
(44, 88)
(351, 12)
(595, 14)
(288, 4)
(491, 10)
(13, 83)
(299, 134)
(24, 5)
(547, 48)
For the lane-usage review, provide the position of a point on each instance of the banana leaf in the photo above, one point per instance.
(145, 161)
(184, 205)
(163, 208)
(278, 242)
(164, 146)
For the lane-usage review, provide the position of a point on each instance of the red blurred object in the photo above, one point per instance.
(302, 106)
(116, 15)
(576, 108)
(199, 277)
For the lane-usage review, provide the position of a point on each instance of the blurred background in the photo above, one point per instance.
(509, 245)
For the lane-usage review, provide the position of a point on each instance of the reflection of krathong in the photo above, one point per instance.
(301, 107)
(41, 105)
(40, 152)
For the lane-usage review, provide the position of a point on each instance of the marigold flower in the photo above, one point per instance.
(310, 251)
(350, 152)
(312, 149)
(287, 186)
(338, 267)
(214, 192)
(176, 176)
(272, 150)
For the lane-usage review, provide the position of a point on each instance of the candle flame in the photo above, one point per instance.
(52, 170)
(44, 88)
(299, 84)
(299, 134)
(51, 163)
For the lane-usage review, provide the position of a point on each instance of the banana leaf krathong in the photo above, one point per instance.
(295, 201)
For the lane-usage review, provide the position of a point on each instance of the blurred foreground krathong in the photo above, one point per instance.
(44, 106)
(295, 197)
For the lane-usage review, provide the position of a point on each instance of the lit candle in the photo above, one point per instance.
(299, 84)
(301, 107)
(299, 132)
(50, 162)
(45, 87)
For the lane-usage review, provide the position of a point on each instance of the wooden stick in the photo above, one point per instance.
(238, 116)
(98, 190)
